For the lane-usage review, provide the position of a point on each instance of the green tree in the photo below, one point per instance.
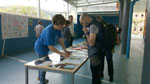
(24, 10)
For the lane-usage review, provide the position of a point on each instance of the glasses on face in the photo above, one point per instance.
(83, 23)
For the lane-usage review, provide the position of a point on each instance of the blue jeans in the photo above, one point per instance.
(67, 43)
(42, 73)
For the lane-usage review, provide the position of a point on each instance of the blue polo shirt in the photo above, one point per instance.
(48, 37)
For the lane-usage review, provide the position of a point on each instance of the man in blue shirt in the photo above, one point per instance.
(48, 38)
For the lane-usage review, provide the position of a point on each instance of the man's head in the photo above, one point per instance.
(67, 23)
(85, 19)
(99, 18)
(58, 21)
(40, 22)
(116, 25)
(70, 18)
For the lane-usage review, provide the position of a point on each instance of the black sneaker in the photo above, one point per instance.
(46, 80)
(111, 79)
(102, 76)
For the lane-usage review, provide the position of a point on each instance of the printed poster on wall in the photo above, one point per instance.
(14, 26)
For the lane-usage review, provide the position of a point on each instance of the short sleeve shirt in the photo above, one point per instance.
(94, 29)
(38, 30)
(48, 37)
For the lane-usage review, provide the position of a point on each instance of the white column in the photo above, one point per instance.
(38, 8)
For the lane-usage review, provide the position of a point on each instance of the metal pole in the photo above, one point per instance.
(3, 49)
(38, 6)
(71, 78)
(67, 10)
(124, 25)
(120, 12)
(26, 75)
(130, 27)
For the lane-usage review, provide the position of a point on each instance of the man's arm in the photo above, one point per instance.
(55, 50)
(91, 37)
(63, 46)
(58, 52)
(62, 43)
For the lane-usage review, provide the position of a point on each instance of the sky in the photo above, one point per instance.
(52, 5)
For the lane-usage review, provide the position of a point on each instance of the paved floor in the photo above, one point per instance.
(127, 71)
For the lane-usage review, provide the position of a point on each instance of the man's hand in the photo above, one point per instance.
(65, 55)
(84, 29)
(67, 52)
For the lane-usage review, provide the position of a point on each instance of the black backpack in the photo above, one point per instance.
(110, 35)
(107, 35)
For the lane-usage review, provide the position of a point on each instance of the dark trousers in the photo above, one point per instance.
(95, 69)
(108, 54)
(71, 42)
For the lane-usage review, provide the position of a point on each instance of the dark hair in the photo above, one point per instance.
(70, 16)
(67, 22)
(99, 18)
(39, 21)
(116, 25)
(58, 19)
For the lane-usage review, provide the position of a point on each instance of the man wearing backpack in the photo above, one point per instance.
(95, 38)
(109, 43)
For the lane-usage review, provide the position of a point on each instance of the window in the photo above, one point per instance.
(141, 28)
(136, 15)
(142, 15)
(134, 28)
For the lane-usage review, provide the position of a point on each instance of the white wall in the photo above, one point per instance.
(140, 6)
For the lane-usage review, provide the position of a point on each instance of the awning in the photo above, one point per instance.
(84, 3)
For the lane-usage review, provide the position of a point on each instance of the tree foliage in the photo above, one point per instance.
(24, 10)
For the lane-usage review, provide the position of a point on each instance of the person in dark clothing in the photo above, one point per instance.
(94, 42)
(109, 57)
(66, 34)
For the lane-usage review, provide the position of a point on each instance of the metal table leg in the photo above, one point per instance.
(70, 78)
(26, 75)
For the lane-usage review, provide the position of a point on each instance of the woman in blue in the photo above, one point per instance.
(47, 39)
